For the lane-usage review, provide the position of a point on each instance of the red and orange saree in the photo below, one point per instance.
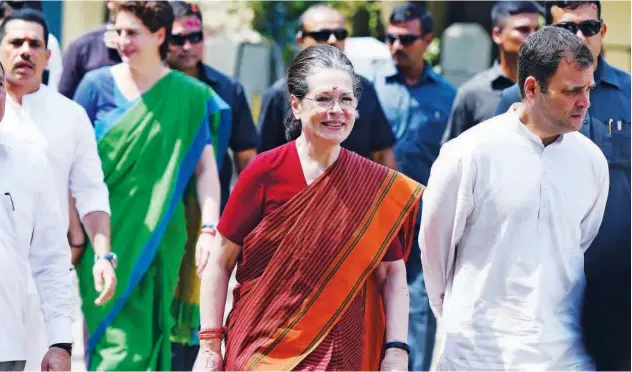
(324, 244)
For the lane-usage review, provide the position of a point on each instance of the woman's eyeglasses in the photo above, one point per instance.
(405, 40)
(322, 36)
(589, 28)
(326, 103)
(181, 39)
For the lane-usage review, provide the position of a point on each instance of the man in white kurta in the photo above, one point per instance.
(510, 208)
(61, 128)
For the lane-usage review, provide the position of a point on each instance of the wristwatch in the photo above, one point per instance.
(65, 346)
(398, 345)
(112, 257)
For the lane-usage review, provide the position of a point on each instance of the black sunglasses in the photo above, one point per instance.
(589, 28)
(405, 40)
(181, 39)
(322, 36)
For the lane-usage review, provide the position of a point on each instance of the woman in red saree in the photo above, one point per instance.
(319, 235)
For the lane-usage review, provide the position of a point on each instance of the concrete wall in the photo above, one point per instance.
(616, 14)
(80, 16)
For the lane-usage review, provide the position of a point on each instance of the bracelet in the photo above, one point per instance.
(212, 333)
(397, 345)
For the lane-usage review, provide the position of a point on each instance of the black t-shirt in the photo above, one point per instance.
(371, 131)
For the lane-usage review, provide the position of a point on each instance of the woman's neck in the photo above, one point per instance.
(321, 155)
(145, 77)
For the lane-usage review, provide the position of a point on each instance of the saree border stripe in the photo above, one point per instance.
(259, 306)
(343, 269)
(262, 308)
(382, 250)
(187, 168)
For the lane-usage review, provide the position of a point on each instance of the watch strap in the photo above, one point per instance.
(397, 345)
(65, 346)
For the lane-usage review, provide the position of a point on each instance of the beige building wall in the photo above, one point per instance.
(80, 16)
(616, 14)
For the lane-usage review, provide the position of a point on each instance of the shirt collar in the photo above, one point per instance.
(391, 73)
(606, 73)
(496, 74)
(522, 129)
(206, 74)
(29, 98)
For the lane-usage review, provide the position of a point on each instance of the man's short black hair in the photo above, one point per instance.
(541, 53)
(505, 9)
(567, 5)
(27, 15)
(185, 8)
(411, 11)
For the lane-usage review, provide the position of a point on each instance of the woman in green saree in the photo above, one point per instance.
(159, 133)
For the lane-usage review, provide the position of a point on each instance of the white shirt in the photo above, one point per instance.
(62, 127)
(31, 233)
(55, 62)
(505, 225)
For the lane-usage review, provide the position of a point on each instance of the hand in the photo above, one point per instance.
(203, 247)
(110, 37)
(395, 360)
(56, 359)
(209, 357)
(104, 280)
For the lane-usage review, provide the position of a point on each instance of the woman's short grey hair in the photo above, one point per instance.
(310, 61)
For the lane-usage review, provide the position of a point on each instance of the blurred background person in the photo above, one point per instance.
(89, 51)
(476, 99)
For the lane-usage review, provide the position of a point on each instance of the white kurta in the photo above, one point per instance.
(63, 130)
(505, 224)
(31, 235)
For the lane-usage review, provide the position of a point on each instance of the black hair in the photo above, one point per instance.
(505, 9)
(154, 15)
(27, 15)
(567, 5)
(308, 62)
(411, 11)
(541, 53)
(185, 8)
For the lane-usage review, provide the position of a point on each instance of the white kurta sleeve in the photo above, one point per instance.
(592, 220)
(49, 257)
(86, 174)
(447, 202)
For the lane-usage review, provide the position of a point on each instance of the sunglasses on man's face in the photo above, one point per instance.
(181, 39)
(405, 40)
(322, 36)
(589, 28)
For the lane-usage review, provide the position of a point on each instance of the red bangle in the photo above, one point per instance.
(209, 229)
(212, 333)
